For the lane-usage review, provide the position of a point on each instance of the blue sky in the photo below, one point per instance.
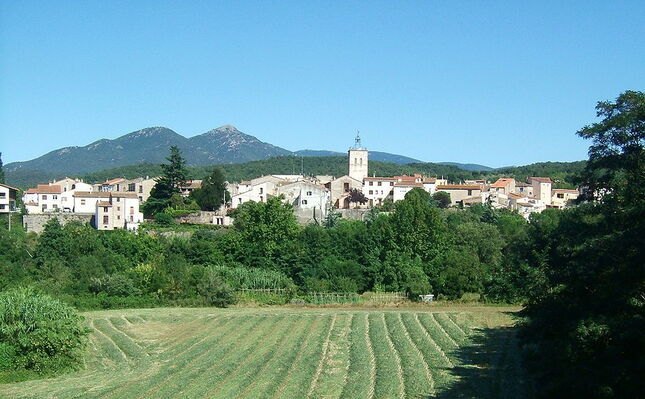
(496, 83)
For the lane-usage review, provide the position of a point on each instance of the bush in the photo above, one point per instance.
(164, 219)
(39, 333)
(215, 291)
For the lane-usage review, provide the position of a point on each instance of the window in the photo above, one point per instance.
(131, 218)
(118, 199)
(105, 219)
(105, 209)
(118, 217)
(391, 183)
(261, 191)
(240, 200)
(3, 195)
(371, 192)
(470, 192)
(261, 198)
(346, 187)
(140, 189)
(132, 187)
(118, 208)
(309, 193)
(44, 196)
(73, 186)
(304, 202)
(1, 206)
(54, 196)
(54, 206)
(131, 210)
(44, 208)
(371, 183)
(82, 202)
(560, 195)
(141, 198)
(379, 183)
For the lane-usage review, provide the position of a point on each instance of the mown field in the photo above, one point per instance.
(467, 352)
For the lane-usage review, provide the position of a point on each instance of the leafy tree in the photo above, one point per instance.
(584, 324)
(265, 229)
(442, 199)
(173, 176)
(212, 193)
(356, 196)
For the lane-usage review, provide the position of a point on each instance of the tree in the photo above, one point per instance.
(2, 178)
(212, 193)
(617, 156)
(583, 328)
(442, 199)
(356, 196)
(173, 176)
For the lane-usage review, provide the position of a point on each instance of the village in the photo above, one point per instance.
(115, 203)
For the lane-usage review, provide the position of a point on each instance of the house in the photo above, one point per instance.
(541, 189)
(430, 184)
(141, 186)
(378, 189)
(504, 185)
(43, 198)
(562, 198)
(310, 201)
(116, 184)
(189, 186)
(7, 198)
(117, 210)
(460, 192)
(339, 189)
(524, 189)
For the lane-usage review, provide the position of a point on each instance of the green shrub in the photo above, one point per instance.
(164, 219)
(39, 333)
(215, 291)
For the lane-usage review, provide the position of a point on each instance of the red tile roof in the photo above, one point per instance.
(541, 179)
(503, 182)
(9, 187)
(45, 189)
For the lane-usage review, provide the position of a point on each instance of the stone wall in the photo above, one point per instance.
(353, 214)
(36, 222)
(202, 217)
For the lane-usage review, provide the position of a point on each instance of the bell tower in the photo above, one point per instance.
(357, 160)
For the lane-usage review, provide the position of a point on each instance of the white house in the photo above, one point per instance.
(400, 189)
(43, 198)
(304, 195)
(7, 198)
(378, 189)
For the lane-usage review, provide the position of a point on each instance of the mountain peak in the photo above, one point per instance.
(226, 129)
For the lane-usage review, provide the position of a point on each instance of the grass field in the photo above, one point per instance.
(454, 352)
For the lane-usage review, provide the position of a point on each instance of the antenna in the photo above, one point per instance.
(357, 140)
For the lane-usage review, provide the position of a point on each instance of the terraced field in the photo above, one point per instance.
(292, 353)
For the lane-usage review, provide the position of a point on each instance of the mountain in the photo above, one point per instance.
(373, 156)
(468, 166)
(225, 144)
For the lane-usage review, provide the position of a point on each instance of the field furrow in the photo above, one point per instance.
(362, 366)
(291, 363)
(389, 375)
(269, 375)
(292, 353)
(204, 355)
(298, 383)
(333, 375)
(148, 382)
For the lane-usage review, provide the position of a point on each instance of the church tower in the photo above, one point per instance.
(357, 160)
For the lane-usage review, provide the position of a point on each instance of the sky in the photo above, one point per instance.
(490, 82)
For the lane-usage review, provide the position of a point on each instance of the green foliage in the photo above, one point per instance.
(442, 199)
(212, 193)
(584, 320)
(164, 219)
(174, 174)
(214, 290)
(39, 333)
